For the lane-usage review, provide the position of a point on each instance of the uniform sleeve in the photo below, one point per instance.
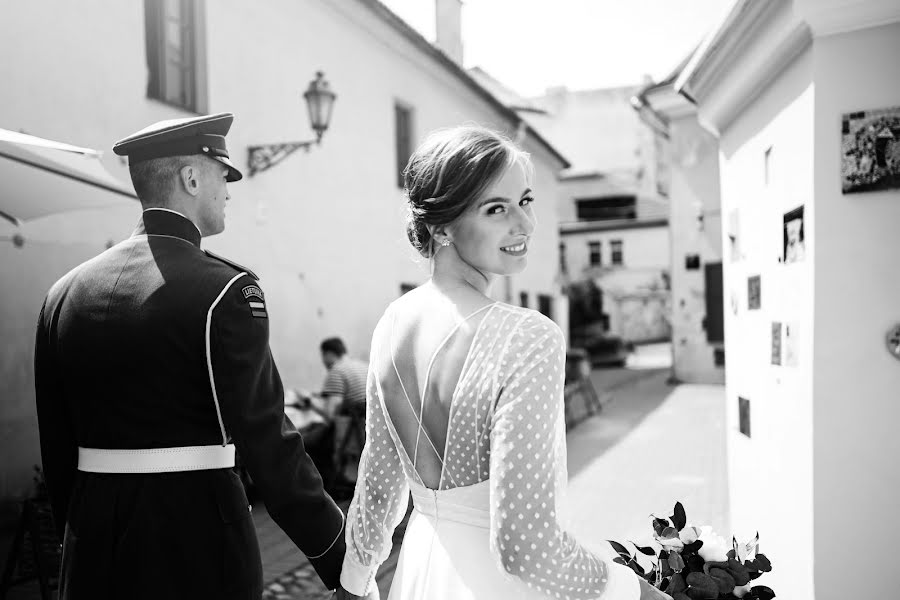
(379, 502)
(59, 448)
(250, 398)
(525, 454)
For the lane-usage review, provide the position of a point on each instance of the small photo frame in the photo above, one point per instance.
(870, 150)
(776, 343)
(754, 292)
(794, 238)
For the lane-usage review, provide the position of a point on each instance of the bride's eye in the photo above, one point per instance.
(526, 201)
(496, 209)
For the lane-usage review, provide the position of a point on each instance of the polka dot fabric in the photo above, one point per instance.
(506, 426)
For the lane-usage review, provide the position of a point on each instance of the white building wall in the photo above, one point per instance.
(324, 230)
(643, 249)
(770, 473)
(856, 411)
(694, 191)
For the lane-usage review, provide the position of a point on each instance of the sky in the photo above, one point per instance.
(531, 45)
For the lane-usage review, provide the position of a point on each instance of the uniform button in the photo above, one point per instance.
(206, 148)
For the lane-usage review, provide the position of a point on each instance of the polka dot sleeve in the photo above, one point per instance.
(525, 455)
(379, 501)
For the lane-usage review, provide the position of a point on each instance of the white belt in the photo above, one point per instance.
(156, 460)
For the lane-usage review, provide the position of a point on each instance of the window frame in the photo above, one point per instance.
(616, 252)
(192, 23)
(403, 149)
(599, 249)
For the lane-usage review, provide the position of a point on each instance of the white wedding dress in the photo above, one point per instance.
(489, 524)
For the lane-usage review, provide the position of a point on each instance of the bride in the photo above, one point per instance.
(465, 404)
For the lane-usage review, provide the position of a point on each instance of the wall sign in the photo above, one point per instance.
(794, 236)
(870, 148)
(754, 292)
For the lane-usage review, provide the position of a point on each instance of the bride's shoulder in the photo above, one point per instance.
(531, 324)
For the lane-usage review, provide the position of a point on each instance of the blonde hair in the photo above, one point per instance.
(448, 172)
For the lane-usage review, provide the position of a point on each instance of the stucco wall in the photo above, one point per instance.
(857, 289)
(323, 230)
(694, 190)
(770, 473)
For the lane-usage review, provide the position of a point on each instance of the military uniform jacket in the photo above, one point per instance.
(153, 344)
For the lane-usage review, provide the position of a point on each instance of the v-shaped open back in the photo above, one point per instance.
(429, 476)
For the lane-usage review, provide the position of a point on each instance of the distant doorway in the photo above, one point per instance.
(715, 311)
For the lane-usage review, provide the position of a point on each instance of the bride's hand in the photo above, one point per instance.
(648, 592)
(342, 594)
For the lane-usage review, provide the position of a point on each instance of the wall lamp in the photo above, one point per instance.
(319, 102)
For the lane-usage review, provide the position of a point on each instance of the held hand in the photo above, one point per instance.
(342, 594)
(648, 592)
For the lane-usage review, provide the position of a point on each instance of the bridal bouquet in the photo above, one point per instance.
(694, 563)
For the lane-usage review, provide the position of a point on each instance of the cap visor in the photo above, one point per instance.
(233, 173)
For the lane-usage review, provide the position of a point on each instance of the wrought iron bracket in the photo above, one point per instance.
(268, 155)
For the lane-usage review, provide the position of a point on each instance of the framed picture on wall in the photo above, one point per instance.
(754, 292)
(870, 150)
(794, 238)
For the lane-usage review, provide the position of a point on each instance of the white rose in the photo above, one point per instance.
(741, 590)
(714, 547)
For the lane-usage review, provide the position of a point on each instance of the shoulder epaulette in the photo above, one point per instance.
(233, 264)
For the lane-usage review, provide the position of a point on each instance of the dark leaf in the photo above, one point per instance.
(659, 525)
(692, 547)
(663, 554)
(755, 575)
(723, 579)
(619, 548)
(636, 567)
(695, 563)
(702, 586)
(644, 549)
(679, 519)
(763, 563)
(676, 584)
(739, 572)
(669, 533)
(762, 592)
(620, 560)
(676, 562)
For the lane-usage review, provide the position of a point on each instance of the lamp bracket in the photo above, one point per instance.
(265, 156)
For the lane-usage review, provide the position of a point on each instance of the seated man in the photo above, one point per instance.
(345, 391)
(345, 384)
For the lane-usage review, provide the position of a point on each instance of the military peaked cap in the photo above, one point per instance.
(181, 137)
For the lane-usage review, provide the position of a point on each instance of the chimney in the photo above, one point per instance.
(448, 15)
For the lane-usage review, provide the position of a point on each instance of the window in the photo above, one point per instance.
(545, 305)
(176, 52)
(523, 299)
(563, 268)
(403, 134)
(594, 256)
(608, 208)
(616, 251)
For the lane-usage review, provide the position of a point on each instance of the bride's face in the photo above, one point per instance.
(494, 233)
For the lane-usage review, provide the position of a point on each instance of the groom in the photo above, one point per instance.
(152, 367)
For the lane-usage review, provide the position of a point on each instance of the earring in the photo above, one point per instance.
(445, 242)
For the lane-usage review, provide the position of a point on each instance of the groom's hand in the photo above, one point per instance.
(648, 592)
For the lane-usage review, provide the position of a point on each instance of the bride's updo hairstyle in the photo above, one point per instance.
(448, 172)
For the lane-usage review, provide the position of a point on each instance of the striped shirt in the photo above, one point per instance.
(347, 378)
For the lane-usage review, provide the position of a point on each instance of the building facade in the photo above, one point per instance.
(613, 210)
(812, 372)
(695, 229)
(324, 229)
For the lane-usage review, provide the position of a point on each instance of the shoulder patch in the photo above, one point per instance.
(232, 264)
(255, 300)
